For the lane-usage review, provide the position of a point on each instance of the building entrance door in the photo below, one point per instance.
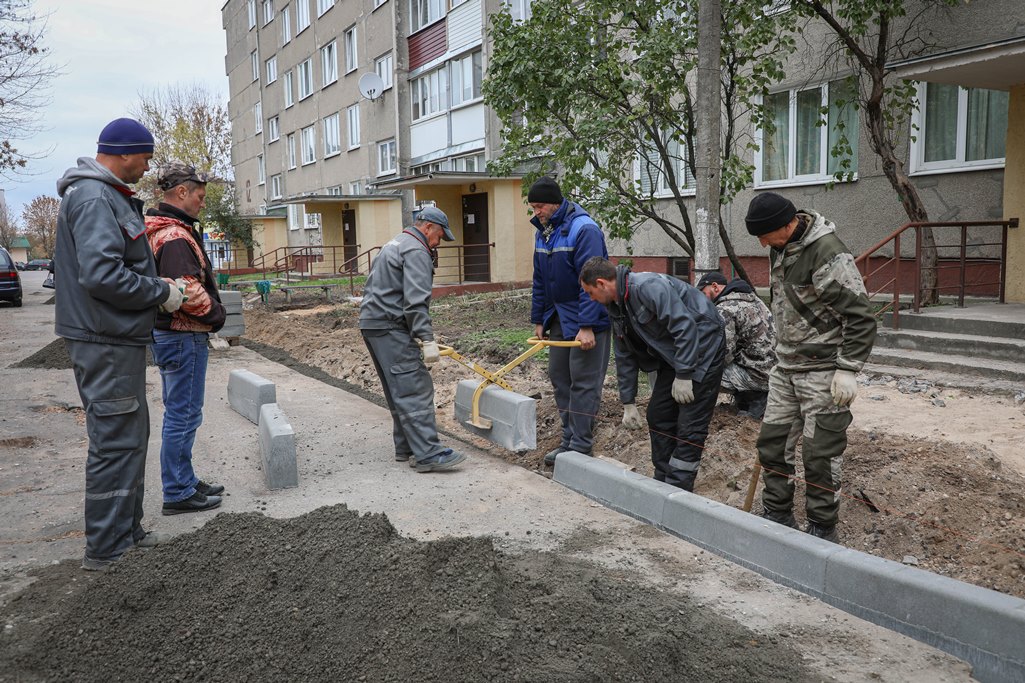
(476, 249)
(350, 248)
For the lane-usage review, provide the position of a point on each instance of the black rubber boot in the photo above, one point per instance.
(826, 533)
(784, 518)
(756, 404)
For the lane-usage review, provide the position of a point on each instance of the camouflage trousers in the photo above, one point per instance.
(738, 378)
(801, 406)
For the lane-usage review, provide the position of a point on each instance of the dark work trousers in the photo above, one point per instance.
(111, 381)
(409, 390)
(679, 430)
(577, 379)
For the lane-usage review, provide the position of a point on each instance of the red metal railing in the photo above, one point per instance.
(983, 273)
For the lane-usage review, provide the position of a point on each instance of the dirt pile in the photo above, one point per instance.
(54, 356)
(333, 596)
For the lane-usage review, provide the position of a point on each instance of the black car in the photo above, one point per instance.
(10, 279)
(38, 264)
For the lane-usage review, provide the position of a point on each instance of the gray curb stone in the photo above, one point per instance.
(513, 416)
(248, 391)
(277, 445)
(983, 627)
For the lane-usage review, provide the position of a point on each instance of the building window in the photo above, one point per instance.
(273, 129)
(332, 135)
(251, 12)
(296, 216)
(308, 144)
(351, 58)
(306, 79)
(386, 157)
(384, 66)
(352, 113)
(650, 172)
(268, 11)
(469, 164)
(289, 90)
(959, 128)
(291, 150)
(466, 78)
(254, 61)
(356, 187)
(424, 12)
(275, 186)
(329, 62)
(519, 9)
(324, 5)
(378, 3)
(286, 26)
(428, 94)
(261, 170)
(272, 70)
(258, 112)
(800, 147)
(302, 15)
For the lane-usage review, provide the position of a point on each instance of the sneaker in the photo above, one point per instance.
(552, 454)
(90, 564)
(447, 459)
(784, 518)
(197, 503)
(826, 533)
(153, 539)
(403, 457)
(209, 489)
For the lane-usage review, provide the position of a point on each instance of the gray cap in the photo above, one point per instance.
(433, 214)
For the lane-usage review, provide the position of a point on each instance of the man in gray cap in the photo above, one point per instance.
(824, 333)
(394, 315)
(108, 292)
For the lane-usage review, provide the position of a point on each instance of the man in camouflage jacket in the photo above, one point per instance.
(750, 341)
(824, 333)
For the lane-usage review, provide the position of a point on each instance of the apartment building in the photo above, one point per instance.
(321, 162)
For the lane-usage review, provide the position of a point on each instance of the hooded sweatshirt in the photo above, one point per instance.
(107, 286)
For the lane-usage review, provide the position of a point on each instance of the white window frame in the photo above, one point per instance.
(351, 49)
(273, 129)
(289, 88)
(423, 13)
(519, 9)
(653, 172)
(323, 6)
(329, 63)
(271, 66)
(258, 113)
(254, 62)
(261, 170)
(356, 187)
(296, 216)
(332, 135)
(290, 141)
(305, 79)
(352, 122)
(458, 71)
(387, 153)
(919, 122)
(276, 186)
(823, 176)
(308, 145)
(302, 16)
(286, 25)
(251, 13)
(378, 3)
(268, 11)
(428, 94)
(385, 68)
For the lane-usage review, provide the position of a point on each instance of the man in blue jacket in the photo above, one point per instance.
(566, 238)
(663, 324)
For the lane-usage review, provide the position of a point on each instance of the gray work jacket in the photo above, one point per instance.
(398, 291)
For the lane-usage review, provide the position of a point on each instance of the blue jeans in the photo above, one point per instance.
(182, 358)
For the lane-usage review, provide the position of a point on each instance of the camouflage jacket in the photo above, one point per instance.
(822, 314)
(750, 337)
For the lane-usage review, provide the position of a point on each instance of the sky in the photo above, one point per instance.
(110, 52)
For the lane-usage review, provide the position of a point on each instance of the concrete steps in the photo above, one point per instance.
(1004, 370)
(971, 345)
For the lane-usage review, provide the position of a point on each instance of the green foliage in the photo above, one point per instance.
(614, 87)
(222, 215)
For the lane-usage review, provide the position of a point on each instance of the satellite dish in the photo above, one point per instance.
(371, 85)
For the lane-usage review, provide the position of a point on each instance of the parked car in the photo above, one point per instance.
(20, 265)
(10, 279)
(38, 264)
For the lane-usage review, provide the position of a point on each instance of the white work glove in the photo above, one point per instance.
(431, 352)
(683, 390)
(175, 297)
(631, 417)
(844, 387)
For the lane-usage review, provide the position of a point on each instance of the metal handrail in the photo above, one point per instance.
(864, 261)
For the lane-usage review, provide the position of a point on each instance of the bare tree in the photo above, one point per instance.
(25, 78)
(9, 228)
(40, 219)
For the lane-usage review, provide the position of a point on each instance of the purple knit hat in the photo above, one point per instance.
(125, 136)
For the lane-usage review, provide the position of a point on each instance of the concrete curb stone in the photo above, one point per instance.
(247, 392)
(277, 446)
(513, 416)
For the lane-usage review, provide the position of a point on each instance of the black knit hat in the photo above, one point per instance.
(767, 212)
(544, 191)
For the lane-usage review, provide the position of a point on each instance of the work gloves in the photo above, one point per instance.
(175, 296)
(431, 352)
(844, 387)
(631, 417)
(683, 390)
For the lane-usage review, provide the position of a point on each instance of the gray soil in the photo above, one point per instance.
(54, 356)
(333, 596)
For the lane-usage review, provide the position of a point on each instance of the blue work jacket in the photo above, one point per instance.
(557, 264)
